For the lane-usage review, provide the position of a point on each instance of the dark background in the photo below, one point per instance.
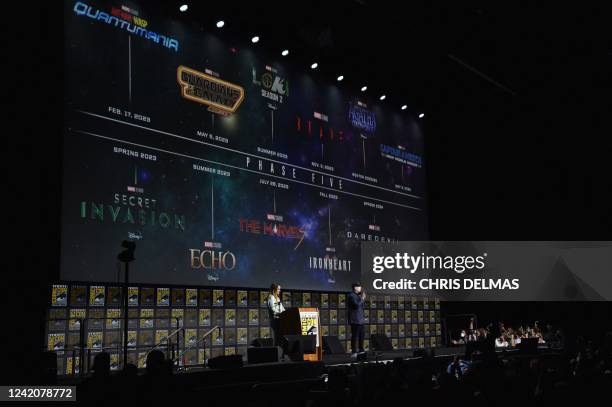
(527, 165)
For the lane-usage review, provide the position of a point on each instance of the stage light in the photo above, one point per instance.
(220, 24)
(340, 78)
(184, 8)
(314, 66)
(285, 52)
(255, 39)
(421, 115)
(404, 107)
(364, 88)
(383, 97)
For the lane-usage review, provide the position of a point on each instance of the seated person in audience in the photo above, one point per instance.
(472, 336)
(501, 342)
(482, 334)
(461, 339)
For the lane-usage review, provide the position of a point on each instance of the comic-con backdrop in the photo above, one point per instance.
(227, 167)
(89, 317)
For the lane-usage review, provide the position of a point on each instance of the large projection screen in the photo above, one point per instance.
(226, 166)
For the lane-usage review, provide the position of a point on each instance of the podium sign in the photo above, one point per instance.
(303, 321)
(310, 323)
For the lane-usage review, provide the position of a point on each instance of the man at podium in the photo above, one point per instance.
(275, 308)
(356, 300)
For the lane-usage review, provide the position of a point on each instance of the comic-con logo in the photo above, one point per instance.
(220, 96)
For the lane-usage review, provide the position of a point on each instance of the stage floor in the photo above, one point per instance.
(251, 373)
(387, 356)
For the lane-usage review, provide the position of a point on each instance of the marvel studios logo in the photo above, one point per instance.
(274, 217)
(321, 116)
(135, 189)
(212, 245)
(212, 73)
(130, 10)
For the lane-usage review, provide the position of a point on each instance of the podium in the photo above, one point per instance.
(303, 321)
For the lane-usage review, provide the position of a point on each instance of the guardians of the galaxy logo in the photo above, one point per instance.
(126, 19)
(220, 96)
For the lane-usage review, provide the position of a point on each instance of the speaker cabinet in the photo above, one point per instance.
(380, 342)
(332, 346)
(225, 362)
(264, 354)
(263, 342)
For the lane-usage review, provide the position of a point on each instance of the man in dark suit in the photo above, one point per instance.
(356, 300)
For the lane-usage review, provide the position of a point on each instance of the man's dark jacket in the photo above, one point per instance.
(355, 305)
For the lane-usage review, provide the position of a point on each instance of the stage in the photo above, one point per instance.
(308, 372)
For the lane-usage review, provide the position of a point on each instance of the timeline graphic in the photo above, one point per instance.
(277, 177)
